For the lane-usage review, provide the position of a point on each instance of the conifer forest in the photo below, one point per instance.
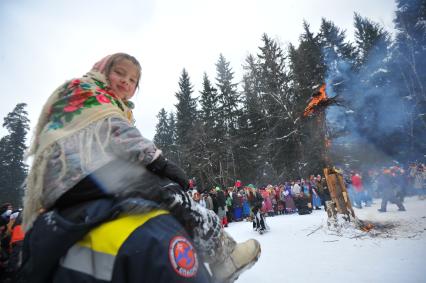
(259, 129)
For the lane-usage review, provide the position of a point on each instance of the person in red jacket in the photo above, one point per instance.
(358, 189)
(16, 242)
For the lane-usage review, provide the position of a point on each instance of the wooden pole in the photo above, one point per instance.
(338, 192)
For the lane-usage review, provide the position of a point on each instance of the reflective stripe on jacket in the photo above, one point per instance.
(133, 248)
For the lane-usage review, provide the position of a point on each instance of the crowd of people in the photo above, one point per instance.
(244, 202)
(238, 202)
(391, 184)
(11, 241)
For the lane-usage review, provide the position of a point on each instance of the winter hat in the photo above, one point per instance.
(101, 64)
(251, 186)
(217, 189)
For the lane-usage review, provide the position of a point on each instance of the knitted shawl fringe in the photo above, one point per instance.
(42, 145)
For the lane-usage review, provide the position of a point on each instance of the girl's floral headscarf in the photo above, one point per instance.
(72, 107)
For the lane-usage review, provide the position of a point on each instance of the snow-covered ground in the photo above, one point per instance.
(292, 253)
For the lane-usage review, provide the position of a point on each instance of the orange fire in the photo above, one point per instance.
(316, 99)
(367, 227)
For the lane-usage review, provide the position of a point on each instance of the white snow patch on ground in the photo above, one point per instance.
(289, 255)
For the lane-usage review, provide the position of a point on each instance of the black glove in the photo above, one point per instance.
(166, 168)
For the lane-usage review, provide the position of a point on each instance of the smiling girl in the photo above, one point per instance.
(86, 149)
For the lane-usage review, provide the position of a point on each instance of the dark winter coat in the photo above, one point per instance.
(91, 236)
(301, 203)
(221, 200)
(255, 200)
(389, 187)
(150, 247)
(322, 190)
(214, 201)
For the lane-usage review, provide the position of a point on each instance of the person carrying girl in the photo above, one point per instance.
(102, 202)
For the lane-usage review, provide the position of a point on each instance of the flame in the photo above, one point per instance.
(367, 227)
(316, 99)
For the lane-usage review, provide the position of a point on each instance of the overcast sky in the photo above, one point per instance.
(45, 42)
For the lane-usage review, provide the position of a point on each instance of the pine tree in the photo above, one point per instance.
(275, 100)
(409, 66)
(339, 56)
(227, 120)
(13, 170)
(208, 102)
(210, 132)
(371, 41)
(252, 124)
(339, 60)
(273, 77)
(228, 96)
(171, 138)
(186, 114)
(307, 75)
(307, 65)
(374, 100)
(161, 138)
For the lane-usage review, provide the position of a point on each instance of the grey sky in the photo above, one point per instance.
(45, 42)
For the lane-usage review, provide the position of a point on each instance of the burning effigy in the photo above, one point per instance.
(341, 216)
(320, 101)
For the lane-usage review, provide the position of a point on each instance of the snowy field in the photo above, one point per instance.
(293, 252)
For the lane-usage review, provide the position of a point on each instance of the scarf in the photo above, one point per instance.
(71, 108)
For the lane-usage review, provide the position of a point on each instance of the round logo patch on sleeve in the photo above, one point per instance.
(183, 257)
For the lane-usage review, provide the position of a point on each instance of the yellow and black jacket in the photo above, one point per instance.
(98, 242)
